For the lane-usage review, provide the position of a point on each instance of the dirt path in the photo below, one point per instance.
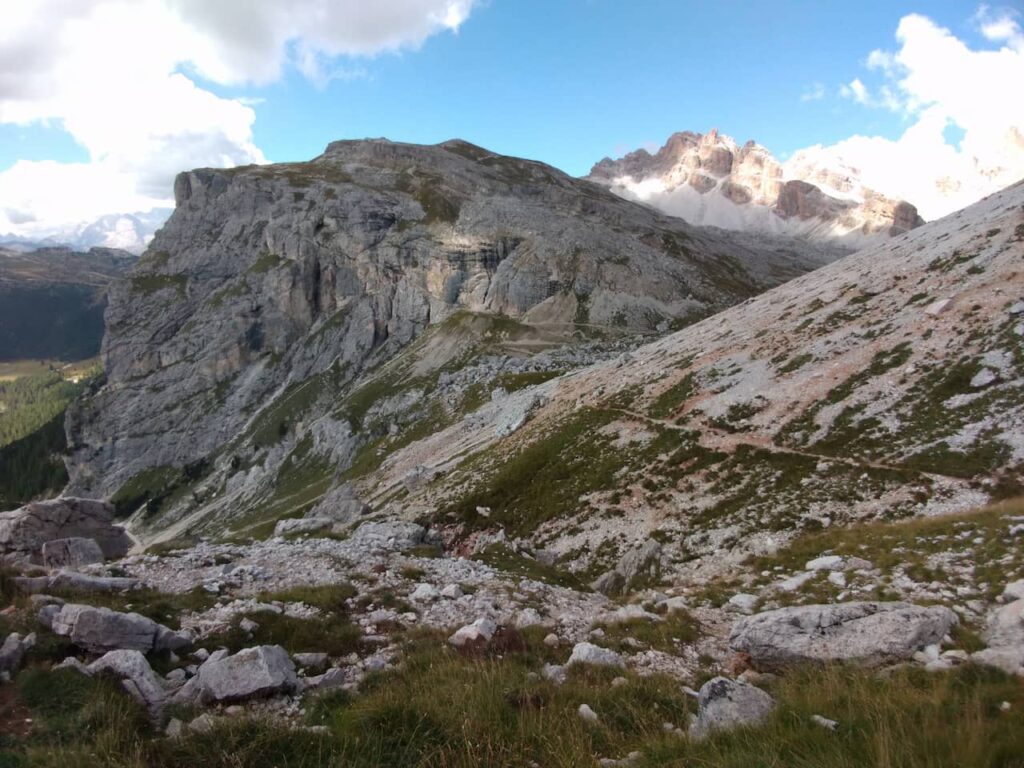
(718, 439)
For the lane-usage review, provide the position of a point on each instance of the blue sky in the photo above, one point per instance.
(571, 81)
(563, 81)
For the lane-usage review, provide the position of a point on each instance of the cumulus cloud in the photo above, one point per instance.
(935, 80)
(125, 79)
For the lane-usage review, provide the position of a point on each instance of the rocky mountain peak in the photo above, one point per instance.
(710, 179)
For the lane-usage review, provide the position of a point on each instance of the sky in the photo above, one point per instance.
(102, 102)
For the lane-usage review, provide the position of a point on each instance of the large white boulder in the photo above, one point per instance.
(251, 673)
(866, 633)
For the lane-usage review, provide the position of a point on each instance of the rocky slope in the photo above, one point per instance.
(711, 180)
(52, 301)
(253, 334)
(886, 385)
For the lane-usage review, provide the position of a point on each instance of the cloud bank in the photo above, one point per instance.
(936, 82)
(125, 79)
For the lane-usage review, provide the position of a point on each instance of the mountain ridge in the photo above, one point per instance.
(710, 179)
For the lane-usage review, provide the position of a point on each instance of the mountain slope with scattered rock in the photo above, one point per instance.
(886, 385)
(709, 179)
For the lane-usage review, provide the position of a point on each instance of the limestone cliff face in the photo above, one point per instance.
(268, 279)
(710, 179)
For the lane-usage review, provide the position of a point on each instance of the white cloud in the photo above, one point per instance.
(935, 80)
(815, 92)
(121, 77)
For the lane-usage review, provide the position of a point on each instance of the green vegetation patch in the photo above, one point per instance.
(670, 635)
(157, 487)
(546, 477)
(980, 539)
(150, 284)
(502, 558)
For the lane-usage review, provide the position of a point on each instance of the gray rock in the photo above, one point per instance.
(555, 673)
(71, 553)
(301, 525)
(641, 564)
(478, 633)
(251, 673)
(25, 530)
(99, 630)
(137, 677)
(395, 536)
(13, 651)
(332, 678)
(860, 632)
(725, 704)
(743, 602)
(84, 581)
(310, 660)
(588, 653)
(587, 714)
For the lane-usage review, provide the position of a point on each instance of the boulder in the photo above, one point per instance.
(71, 553)
(396, 536)
(251, 673)
(24, 531)
(13, 651)
(99, 630)
(1004, 634)
(137, 677)
(478, 633)
(641, 564)
(724, 704)
(301, 525)
(340, 506)
(867, 633)
(588, 653)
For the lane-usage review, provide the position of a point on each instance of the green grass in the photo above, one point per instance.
(441, 708)
(669, 401)
(546, 477)
(502, 558)
(331, 633)
(669, 635)
(979, 538)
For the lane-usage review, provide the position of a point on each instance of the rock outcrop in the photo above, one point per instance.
(710, 179)
(859, 632)
(25, 531)
(99, 630)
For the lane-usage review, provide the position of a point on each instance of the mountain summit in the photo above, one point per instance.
(710, 180)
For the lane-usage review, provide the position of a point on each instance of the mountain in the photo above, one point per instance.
(886, 385)
(123, 231)
(289, 318)
(711, 180)
(52, 301)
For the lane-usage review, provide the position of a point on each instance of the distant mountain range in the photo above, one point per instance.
(52, 301)
(710, 180)
(125, 231)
